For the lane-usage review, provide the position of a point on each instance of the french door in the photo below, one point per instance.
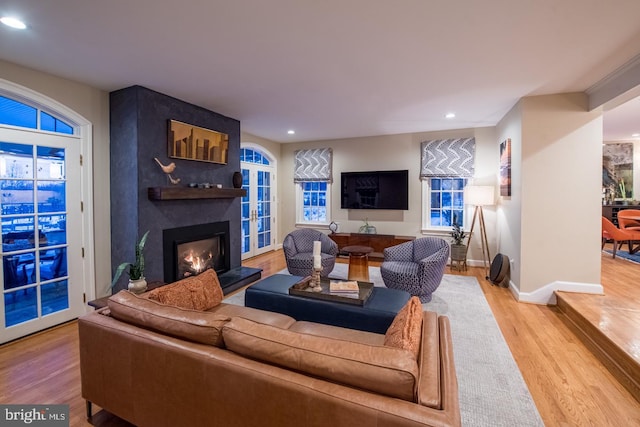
(42, 264)
(258, 213)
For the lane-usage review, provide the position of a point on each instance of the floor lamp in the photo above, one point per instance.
(479, 196)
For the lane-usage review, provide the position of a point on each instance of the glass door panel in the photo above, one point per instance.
(257, 212)
(263, 209)
(34, 236)
(246, 215)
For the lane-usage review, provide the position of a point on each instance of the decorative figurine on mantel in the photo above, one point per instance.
(168, 169)
(314, 284)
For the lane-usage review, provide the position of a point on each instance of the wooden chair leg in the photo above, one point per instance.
(615, 248)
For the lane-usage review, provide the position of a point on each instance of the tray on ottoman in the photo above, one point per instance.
(375, 315)
(365, 289)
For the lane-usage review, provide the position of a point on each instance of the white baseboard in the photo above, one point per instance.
(546, 295)
(474, 263)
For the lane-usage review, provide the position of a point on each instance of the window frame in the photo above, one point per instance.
(300, 205)
(39, 124)
(425, 206)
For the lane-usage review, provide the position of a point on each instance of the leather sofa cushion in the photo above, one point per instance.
(197, 326)
(405, 331)
(200, 292)
(385, 370)
(337, 332)
(261, 316)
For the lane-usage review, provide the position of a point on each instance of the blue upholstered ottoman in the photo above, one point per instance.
(272, 294)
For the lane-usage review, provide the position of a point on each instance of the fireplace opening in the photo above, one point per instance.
(197, 256)
(188, 251)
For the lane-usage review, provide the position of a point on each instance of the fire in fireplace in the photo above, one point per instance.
(197, 256)
(188, 251)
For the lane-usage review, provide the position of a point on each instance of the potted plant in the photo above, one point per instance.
(137, 282)
(366, 228)
(458, 248)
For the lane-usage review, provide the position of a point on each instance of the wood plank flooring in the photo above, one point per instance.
(569, 385)
(609, 324)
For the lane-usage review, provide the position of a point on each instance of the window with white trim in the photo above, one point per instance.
(443, 202)
(445, 167)
(313, 202)
(312, 177)
(16, 113)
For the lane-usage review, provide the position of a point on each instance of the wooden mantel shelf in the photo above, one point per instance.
(187, 193)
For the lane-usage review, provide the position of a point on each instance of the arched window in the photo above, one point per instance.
(16, 113)
(249, 155)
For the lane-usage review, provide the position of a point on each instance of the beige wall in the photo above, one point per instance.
(550, 226)
(93, 105)
(561, 190)
(509, 209)
(272, 147)
(388, 152)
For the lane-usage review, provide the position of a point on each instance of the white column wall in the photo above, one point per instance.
(556, 189)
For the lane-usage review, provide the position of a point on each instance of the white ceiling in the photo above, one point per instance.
(332, 68)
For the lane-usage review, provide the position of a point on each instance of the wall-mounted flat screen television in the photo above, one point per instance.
(375, 190)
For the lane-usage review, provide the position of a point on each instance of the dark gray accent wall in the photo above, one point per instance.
(139, 128)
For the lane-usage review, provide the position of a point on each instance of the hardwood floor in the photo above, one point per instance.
(569, 385)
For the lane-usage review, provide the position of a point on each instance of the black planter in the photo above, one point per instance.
(237, 180)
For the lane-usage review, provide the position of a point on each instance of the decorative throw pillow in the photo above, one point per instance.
(202, 327)
(406, 329)
(201, 292)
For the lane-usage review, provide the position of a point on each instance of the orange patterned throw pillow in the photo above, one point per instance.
(406, 329)
(201, 292)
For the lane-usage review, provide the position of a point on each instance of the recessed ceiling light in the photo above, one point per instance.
(635, 135)
(450, 115)
(291, 132)
(13, 22)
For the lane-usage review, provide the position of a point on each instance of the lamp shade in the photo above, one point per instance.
(479, 195)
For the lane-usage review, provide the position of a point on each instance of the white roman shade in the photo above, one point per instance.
(313, 165)
(448, 157)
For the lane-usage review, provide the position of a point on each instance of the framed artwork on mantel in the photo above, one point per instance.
(191, 142)
(505, 167)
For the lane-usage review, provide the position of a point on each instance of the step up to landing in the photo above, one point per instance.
(583, 314)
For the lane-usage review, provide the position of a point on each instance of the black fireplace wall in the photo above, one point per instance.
(138, 125)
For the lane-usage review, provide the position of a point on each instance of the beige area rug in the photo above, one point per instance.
(492, 390)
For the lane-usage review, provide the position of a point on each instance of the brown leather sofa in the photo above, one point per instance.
(154, 366)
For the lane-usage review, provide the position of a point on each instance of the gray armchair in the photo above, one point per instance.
(298, 252)
(416, 267)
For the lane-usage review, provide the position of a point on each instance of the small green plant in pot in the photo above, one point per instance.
(458, 248)
(366, 228)
(137, 282)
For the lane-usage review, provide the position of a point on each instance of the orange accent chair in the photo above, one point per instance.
(627, 219)
(619, 236)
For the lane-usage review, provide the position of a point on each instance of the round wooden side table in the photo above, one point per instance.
(358, 262)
